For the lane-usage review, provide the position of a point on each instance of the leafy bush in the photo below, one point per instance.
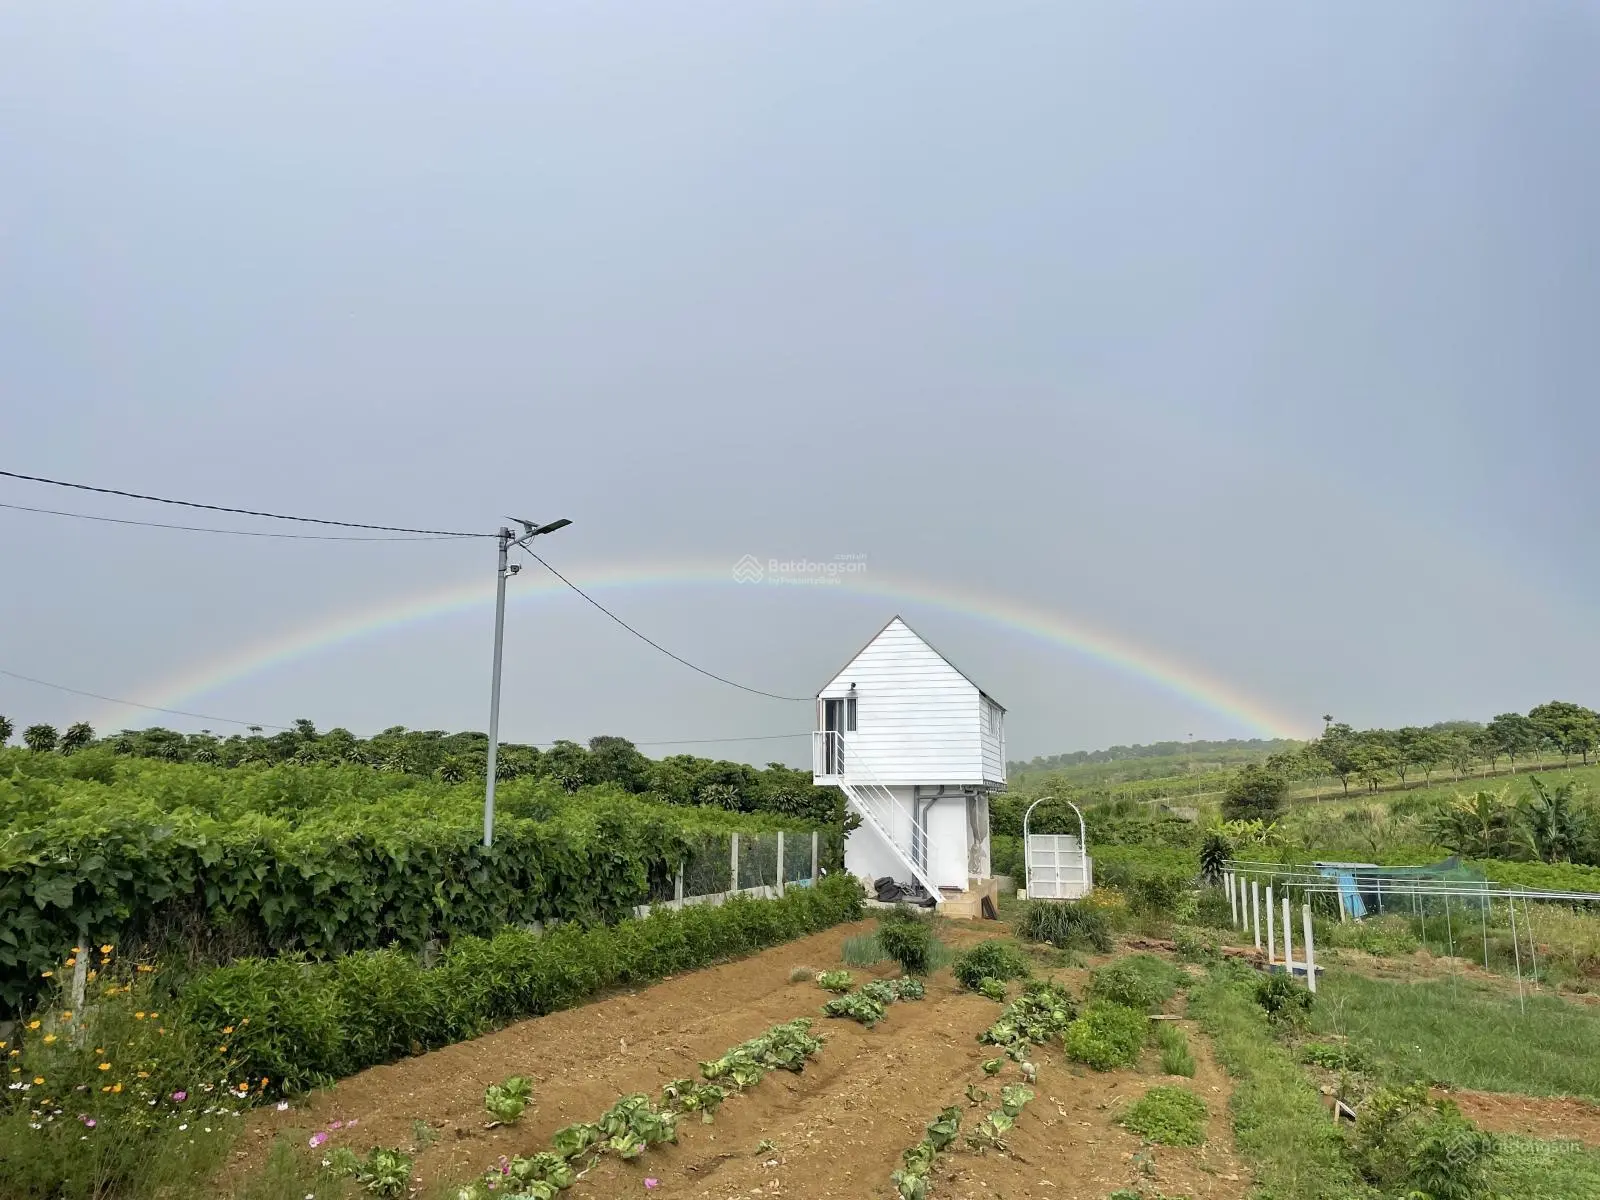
(302, 1023)
(1043, 1011)
(1408, 1143)
(1195, 945)
(908, 988)
(1107, 1036)
(1335, 1056)
(908, 939)
(1076, 925)
(838, 982)
(1140, 981)
(857, 1006)
(320, 859)
(992, 989)
(1386, 937)
(1212, 909)
(994, 959)
(1284, 1000)
(1168, 1116)
(1176, 1057)
(1158, 893)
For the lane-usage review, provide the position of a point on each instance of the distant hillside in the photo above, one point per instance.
(1234, 750)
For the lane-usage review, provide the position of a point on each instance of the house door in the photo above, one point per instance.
(833, 741)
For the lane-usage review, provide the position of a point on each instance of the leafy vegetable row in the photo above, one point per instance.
(635, 1122)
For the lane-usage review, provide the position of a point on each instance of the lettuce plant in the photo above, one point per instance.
(505, 1101)
(835, 981)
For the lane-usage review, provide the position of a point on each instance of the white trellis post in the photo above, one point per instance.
(1310, 951)
(814, 859)
(1255, 911)
(1288, 938)
(677, 888)
(780, 864)
(733, 865)
(1233, 898)
(1272, 943)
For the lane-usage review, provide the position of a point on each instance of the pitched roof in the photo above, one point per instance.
(925, 642)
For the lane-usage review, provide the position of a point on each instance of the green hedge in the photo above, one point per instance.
(303, 1024)
(324, 860)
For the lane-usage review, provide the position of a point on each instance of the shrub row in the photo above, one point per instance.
(323, 860)
(301, 1023)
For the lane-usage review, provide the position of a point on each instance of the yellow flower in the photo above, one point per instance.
(105, 1066)
(146, 969)
(99, 1050)
(38, 1079)
(48, 1038)
(107, 1088)
(138, 1016)
(72, 962)
(222, 1049)
(227, 1029)
(116, 1087)
(162, 1031)
(33, 1024)
(144, 1074)
(106, 949)
(153, 1016)
(46, 974)
(246, 1021)
(94, 974)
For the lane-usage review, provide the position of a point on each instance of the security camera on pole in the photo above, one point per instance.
(507, 540)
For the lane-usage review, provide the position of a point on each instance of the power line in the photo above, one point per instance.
(177, 712)
(657, 645)
(313, 537)
(246, 512)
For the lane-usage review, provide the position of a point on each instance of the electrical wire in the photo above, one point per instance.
(247, 512)
(311, 537)
(177, 712)
(657, 645)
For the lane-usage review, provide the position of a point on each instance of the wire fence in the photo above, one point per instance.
(720, 865)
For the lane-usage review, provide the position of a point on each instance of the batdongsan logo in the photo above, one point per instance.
(799, 571)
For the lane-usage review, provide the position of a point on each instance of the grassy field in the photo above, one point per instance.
(1465, 1034)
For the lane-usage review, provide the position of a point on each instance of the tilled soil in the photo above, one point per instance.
(1553, 1117)
(834, 1131)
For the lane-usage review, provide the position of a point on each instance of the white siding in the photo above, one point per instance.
(993, 741)
(918, 719)
(868, 857)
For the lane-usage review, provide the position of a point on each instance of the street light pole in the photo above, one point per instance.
(504, 571)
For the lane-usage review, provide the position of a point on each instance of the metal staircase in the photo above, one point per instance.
(833, 762)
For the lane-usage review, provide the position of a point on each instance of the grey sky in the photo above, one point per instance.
(1263, 337)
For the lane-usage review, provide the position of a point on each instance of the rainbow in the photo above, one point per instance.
(1105, 649)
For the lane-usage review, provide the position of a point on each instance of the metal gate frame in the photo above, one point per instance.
(1086, 874)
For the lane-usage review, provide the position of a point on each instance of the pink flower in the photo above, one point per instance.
(88, 1122)
(318, 1138)
(652, 1181)
(337, 1125)
(180, 1097)
(350, 1124)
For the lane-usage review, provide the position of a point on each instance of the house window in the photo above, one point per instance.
(850, 714)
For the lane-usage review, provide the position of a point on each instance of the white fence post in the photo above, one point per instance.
(1272, 943)
(1288, 937)
(1255, 911)
(780, 864)
(677, 887)
(1311, 955)
(814, 859)
(733, 866)
(1230, 881)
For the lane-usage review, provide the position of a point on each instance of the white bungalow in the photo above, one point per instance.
(917, 748)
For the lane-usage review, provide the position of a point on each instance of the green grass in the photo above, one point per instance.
(1536, 1170)
(1464, 1034)
(1278, 1118)
(1176, 1057)
(863, 950)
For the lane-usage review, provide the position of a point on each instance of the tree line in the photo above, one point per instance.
(463, 757)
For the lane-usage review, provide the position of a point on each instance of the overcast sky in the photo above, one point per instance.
(1261, 338)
